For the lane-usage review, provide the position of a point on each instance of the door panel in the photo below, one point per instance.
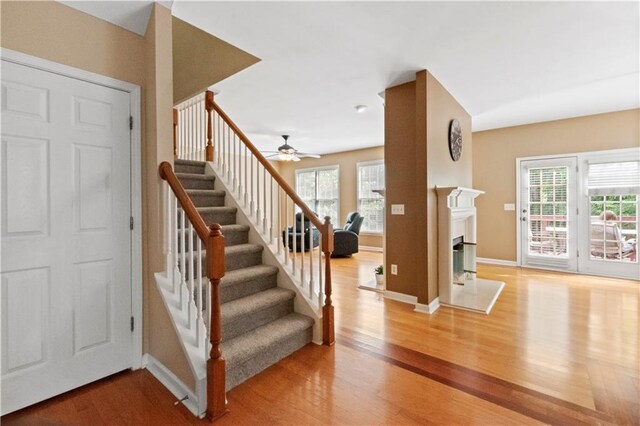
(66, 243)
(548, 213)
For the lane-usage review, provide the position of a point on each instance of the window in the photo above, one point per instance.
(371, 204)
(319, 188)
(548, 211)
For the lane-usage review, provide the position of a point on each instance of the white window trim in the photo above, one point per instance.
(316, 169)
(358, 165)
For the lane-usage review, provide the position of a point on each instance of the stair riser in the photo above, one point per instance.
(193, 183)
(255, 319)
(237, 374)
(244, 260)
(207, 200)
(221, 217)
(247, 287)
(189, 168)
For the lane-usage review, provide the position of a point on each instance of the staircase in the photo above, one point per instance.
(239, 297)
(259, 325)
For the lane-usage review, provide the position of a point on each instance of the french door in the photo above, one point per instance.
(548, 213)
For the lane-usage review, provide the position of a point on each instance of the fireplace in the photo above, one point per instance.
(458, 284)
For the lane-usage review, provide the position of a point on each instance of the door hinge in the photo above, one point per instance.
(577, 210)
(130, 122)
(133, 321)
(131, 223)
(578, 253)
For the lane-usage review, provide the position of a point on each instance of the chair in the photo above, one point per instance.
(310, 234)
(607, 242)
(345, 240)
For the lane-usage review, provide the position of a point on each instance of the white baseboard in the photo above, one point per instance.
(400, 297)
(430, 308)
(500, 262)
(370, 248)
(171, 382)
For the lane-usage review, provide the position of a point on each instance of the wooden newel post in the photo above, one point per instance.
(328, 332)
(175, 133)
(208, 104)
(216, 395)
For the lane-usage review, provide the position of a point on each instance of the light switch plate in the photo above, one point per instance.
(397, 208)
(394, 269)
(509, 207)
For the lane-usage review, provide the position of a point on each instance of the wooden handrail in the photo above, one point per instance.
(265, 163)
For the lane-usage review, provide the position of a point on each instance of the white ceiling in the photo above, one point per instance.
(507, 63)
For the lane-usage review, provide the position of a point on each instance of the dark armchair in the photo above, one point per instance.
(311, 235)
(345, 240)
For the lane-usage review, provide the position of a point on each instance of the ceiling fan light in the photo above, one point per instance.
(285, 156)
(361, 108)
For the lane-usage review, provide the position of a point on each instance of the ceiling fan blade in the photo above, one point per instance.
(306, 154)
(295, 158)
(271, 155)
(270, 152)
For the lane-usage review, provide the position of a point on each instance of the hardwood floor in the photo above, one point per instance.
(557, 348)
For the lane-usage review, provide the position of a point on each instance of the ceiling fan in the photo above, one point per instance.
(286, 152)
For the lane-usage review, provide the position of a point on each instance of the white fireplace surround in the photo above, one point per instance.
(457, 218)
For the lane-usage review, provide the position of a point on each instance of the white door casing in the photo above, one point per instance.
(66, 241)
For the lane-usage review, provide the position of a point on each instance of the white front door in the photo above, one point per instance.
(66, 242)
(547, 212)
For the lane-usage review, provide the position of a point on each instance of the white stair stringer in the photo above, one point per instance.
(286, 279)
(185, 328)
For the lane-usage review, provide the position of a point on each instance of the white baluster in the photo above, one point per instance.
(234, 172)
(252, 187)
(311, 229)
(279, 220)
(320, 284)
(192, 277)
(183, 260)
(167, 232)
(295, 238)
(286, 230)
(302, 238)
(174, 229)
(257, 192)
(273, 206)
(228, 154)
(246, 181)
(264, 202)
(200, 324)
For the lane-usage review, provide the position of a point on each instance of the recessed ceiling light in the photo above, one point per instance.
(361, 108)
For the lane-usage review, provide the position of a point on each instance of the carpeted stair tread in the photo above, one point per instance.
(196, 180)
(252, 352)
(222, 215)
(245, 314)
(235, 234)
(206, 192)
(246, 281)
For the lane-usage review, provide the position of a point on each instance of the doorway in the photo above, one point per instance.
(67, 245)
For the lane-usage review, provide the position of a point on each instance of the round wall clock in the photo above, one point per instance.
(455, 140)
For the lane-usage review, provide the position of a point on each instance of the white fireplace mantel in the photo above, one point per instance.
(457, 218)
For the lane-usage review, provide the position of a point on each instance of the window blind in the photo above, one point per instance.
(623, 177)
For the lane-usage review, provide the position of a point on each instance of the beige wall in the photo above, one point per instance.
(494, 165)
(56, 32)
(417, 117)
(347, 161)
(441, 169)
(403, 247)
(201, 60)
